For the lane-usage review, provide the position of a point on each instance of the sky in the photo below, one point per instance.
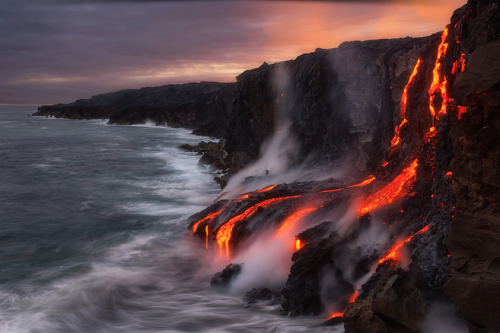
(57, 51)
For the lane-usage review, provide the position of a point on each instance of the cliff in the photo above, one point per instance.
(420, 116)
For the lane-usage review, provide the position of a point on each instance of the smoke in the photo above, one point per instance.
(443, 318)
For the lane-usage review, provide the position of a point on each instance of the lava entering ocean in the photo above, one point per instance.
(225, 231)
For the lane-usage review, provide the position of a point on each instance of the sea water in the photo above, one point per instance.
(93, 233)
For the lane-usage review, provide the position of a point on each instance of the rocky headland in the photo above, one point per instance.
(419, 118)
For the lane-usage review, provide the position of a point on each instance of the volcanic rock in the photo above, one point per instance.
(473, 282)
(313, 263)
(262, 294)
(359, 318)
(396, 298)
(224, 278)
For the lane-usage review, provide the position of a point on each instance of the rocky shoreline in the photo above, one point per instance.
(419, 115)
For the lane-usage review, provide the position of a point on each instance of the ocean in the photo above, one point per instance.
(93, 233)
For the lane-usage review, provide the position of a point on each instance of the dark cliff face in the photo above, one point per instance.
(340, 101)
(204, 106)
(474, 241)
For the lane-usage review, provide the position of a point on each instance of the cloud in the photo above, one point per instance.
(54, 52)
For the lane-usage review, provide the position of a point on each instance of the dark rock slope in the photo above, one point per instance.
(474, 242)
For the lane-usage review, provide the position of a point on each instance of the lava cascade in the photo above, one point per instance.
(207, 219)
(391, 254)
(294, 218)
(352, 298)
(438, 85)
(369, 180)
(225, 231)
(404, 99)
(398, 188)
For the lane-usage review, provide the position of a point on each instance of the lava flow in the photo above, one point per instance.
(398, 188)
(341, 314)
(207, 219)
(391, 254)
(297, 245)
(269, 188)
(363, 183)
(404, 99)
(224, 233)
(439, 83)
(206, 232)
(295, 217)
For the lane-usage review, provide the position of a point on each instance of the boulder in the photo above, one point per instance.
(262, 294)
(223, 279)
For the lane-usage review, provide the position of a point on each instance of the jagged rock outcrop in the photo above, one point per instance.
(396, 305)
(223, 278)
(474, 276)
(202, 106)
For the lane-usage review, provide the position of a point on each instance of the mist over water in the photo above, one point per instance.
(93, 233)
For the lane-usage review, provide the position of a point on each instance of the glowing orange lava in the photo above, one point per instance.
(385, 163)
(297, 245)
(391, 254)
(398, 188)
(462, 62)
(207, 219)
(341, 314)
(224, 233)
(438, 84)
(363, 183)
(404, 98)
(269, 188)
(461, 110)
(206, 232)
(294, 218)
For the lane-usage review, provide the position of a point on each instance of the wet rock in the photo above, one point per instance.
(474, 276)
(334, 321)
(359, 318)
(186, 147)
(224, 278)
(396, 298)
(313, 264)
(315, 233)
(262, 294)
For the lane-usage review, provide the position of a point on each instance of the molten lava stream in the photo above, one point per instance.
(269, 188)
(206, 232)
(398, 188)
(207, 219)
(363, 183)
(404, 98)
(224, 233)
(438, 84)
(341, 314)
(391, 254)
(290, 221)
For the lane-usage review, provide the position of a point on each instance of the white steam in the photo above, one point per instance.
(443, 318)
(278, 155)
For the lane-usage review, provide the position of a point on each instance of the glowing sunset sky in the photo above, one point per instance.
(53, 51)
